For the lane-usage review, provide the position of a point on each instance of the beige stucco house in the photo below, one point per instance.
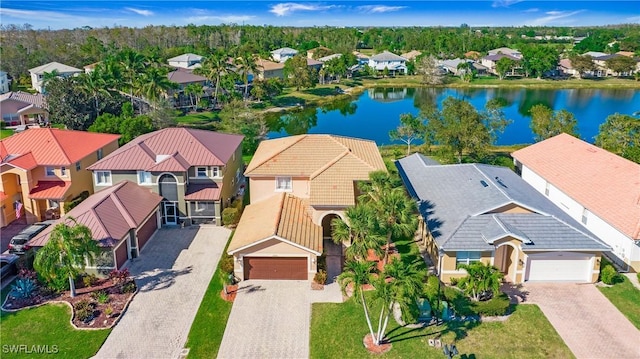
(298, 185)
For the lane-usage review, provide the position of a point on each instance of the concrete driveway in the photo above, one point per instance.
(172, 274)
(271, 319)
(585, 319)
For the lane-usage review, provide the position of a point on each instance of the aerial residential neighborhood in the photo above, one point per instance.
(320, 180)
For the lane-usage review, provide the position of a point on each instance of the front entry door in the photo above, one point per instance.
(170, 217)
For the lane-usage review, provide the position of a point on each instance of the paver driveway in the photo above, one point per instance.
(172, 273)
(585, 319)
(271, 319)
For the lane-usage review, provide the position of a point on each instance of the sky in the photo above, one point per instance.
(58, 14)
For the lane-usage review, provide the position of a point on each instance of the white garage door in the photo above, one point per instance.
(568, 267)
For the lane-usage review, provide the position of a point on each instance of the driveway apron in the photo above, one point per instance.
(588, 323)
(172, 274)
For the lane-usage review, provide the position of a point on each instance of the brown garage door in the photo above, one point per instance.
(147, 230)
(275, 268)
(121, 253)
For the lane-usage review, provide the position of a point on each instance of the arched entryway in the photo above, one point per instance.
(326, 224)
(333, 252)
(506, 261)
(168, 186)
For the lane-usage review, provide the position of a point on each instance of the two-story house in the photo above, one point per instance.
(298, 185)
(43, 168)
(283, 54)
(62, 70)
(595, 187)
(22, 108)
(390, 61)
(197, 172)
(186, 61)
(506, 51)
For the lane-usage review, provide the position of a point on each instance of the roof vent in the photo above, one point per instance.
(484, 184)
(499, 180)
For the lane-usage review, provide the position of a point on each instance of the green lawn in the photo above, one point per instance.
(4, 133)
(626, 298)
(208, 326)
(48, 325)
(197, 118)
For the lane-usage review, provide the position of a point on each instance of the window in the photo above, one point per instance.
(78, 166)
(63, 171)
(144, 177)
(202, 209)
(49, 171)
(283, 184)
(464, 257)
(103, 178)
(201, 171)
(52, 203)
(546, 189)
(215, 171)
(99, 154)
(585, 216)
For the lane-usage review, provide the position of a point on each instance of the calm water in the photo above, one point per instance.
(377, 111)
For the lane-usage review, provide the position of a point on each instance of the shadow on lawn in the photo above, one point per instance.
(459, 329)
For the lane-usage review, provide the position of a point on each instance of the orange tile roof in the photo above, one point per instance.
(282, 215)
(604, 183)
(332, 164)
(50, 146)
(49, 190)
(25, 161)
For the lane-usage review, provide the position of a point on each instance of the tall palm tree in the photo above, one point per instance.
(194, 91)
(481, 278)
(357, 274)
(47, 77)
(246, 65)
(69, 247)
(213, 67)
(131, 65)
(153, 84)
(93, 84)
(359, 232)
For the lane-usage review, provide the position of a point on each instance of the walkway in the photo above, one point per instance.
(172, 273)
(585, 319)
(272, 319)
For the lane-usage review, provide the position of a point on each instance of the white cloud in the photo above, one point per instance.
(534, 9)
(284, 9)
(227, 19)
(505, 3)
(554, 16)
(140, 11)
(37, 14)
(379, 8)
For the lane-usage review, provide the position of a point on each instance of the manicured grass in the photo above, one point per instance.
(4, 133)
(337, 331)
(197, 118)
(626, 298)
(210, 322)
(48, 325)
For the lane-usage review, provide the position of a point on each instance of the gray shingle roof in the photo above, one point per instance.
(457, 201)
(387, 56)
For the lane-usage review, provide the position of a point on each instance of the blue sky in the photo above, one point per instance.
(56, 14)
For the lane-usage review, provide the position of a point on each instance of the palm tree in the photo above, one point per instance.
(357, 274)
(481, 278)
(246, 64)
(69, 247)
(359, 232)
(154, 84)
(131, 64)
(213, 67)
(47, 77)
(194, 90)
(93, 84)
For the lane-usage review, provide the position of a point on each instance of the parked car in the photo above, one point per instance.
(8, 264)
(19, 245)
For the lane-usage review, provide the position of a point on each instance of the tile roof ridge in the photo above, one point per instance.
(334, 138)
(454, 232)
(51, 132)
(300, 138)
(190, 132)
(329, 164)
(278, 217)
(118, 203)
(575, 229)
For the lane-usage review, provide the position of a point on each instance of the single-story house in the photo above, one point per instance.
(283, 54)
(187, 61)
(506, 51)
(22, 108)
(411, 55)
(477, 212)
(597, 188)
(37, 73)
(122, 219)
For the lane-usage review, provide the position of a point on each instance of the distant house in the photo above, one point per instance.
(22, 108)
(44, 168)
(565, 68)
(411, 55)
(186, 61)
(474, 55)
(283, 54)
(183, 78)
(603, 70)
(269, 69)
(490, 61)
(330, 57)
(121, 218)
(394, 63)
(481, 213)
(362, 58)
(506, 51)
(37, 73)
(197, 172)
(312, 53)
(451, 66)
(89, 68)
(4, 82)
(595, 187)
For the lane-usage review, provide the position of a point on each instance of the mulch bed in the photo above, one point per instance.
(373, 348)
(117, 302)
(230, 296)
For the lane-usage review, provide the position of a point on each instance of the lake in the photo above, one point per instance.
(377, 111)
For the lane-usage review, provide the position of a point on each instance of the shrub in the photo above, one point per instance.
(320, 277)
(119, 276)
(108, 311)
(24, 288)
(226, 264)
(230, 216)
(26, 260)
(89, 280)
(25, 273)
(101, 296)
(322, 262)
(454, 281)
(76, 201)
(84, 310)
(498, 305)
(59, 283)
(128, 287)
(609, 275)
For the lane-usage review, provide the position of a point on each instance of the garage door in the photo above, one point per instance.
(275, 268)
(147, 230)
(559, 267)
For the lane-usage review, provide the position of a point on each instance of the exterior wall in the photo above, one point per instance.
(511, 208)
(273, 248)
(9, 109)
(515, 272)
(318, 214)
(4, 82)
(380, 65)
(622, 246)
(448, 268)
(265, 187)
(36, 79)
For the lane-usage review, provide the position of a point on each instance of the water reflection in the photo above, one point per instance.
(385, 94)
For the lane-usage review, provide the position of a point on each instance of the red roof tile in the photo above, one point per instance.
(604, 183)
(203, 192)
(50, 146)
(49, 190)
(25, 161)
(190, 147)
(110, 213)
